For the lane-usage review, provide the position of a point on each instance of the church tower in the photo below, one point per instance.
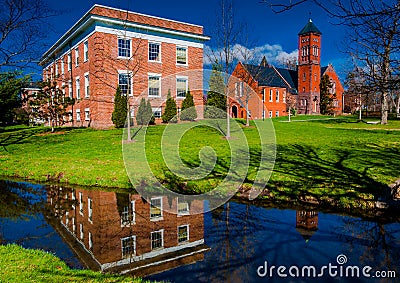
(309, 69)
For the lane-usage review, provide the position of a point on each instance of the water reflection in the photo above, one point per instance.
(120, 232)
(124, 233)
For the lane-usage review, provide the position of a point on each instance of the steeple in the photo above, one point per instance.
(310, 28)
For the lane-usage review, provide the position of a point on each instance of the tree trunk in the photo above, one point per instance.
(129, 119)
(247, 114)
(384, 109)
(398, 104)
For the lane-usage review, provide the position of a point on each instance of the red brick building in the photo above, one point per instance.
(145, 56)
(275, 87)
(120, 232)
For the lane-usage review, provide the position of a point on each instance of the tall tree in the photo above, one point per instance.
(51, 104)
(120, 109)
(22, 30)
(326, 97)
(188, 111)
(216, 98)
(374, 40)
(170, 110)
(11, 84)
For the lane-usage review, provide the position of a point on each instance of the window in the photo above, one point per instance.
(56, 69)
(155, 208)
(124, 47)
(81, 231)
(78, 88)
(157, 240)
(125, 83)
(128, 214)
(69, 61)
(154, 52)
(73, 225)
(128, 246)
(156, 112)
(183, 233)
(66, 218)
(270, 95)
(284, 96)
(80, 196)
(90, 241)
(263, 114)
(62, 66)
(181, 55)
(270, 114)
(86, 51)
(154, 85)
(87, 114)
(87, 93)
(183, 207)
(276, 113)
(70, 89)
(73, 194)
(277, 95)
(263, 95)
(90, 209)
(181, 87)
(77, 57)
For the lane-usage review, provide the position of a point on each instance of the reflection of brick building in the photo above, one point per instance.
(124, 233)
(274, 86)
(109, 47)
(306, 223)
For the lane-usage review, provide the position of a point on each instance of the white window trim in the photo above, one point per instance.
(87, 110)
(85, 50)
(188, 234)
(271, 95)
(80, 197)
(176, 86)
(90, 210)
(277, 95)
(77, 56)
(161, 209)
(182, 213)
(162, 239)
(62, 66)
(81, 232)
(187, 55)
(148, 85)
(90, 241)
(270, 114)
(134, 245)
(156, 110)
(148, 53)
(69, 61)
(130, 73)
(78, 87)
(130, 48)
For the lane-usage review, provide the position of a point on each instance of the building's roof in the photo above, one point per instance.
(310, 28)
(274, 77)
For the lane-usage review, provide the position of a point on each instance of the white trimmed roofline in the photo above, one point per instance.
(81, 23)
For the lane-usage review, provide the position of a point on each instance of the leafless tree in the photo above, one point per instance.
(22, 30)
(108, 65)
(373, 33)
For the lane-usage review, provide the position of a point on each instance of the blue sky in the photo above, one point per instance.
(273, 34)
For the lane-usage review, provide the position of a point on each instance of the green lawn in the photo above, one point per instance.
(336, 159)
(24, 265)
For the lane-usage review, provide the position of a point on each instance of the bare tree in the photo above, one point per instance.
(22, 30)
(373, 33)
(132, 63)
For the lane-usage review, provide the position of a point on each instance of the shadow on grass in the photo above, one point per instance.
(301, 171)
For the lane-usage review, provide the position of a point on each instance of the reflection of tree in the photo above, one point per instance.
(382, 249)
(19, 200)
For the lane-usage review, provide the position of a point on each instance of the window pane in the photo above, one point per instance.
(156, 240)
(181, 87)
(124, 47)
(154, 86)
(181, 55)
(128, 246)
(183, 234)
(124, 84)
(154, 52)
(155, 208)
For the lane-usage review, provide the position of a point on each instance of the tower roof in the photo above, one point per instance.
(310, 28)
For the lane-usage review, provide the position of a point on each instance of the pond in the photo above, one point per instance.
(238, 242)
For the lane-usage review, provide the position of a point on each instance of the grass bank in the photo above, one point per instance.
(339, 162)
(24, 265)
